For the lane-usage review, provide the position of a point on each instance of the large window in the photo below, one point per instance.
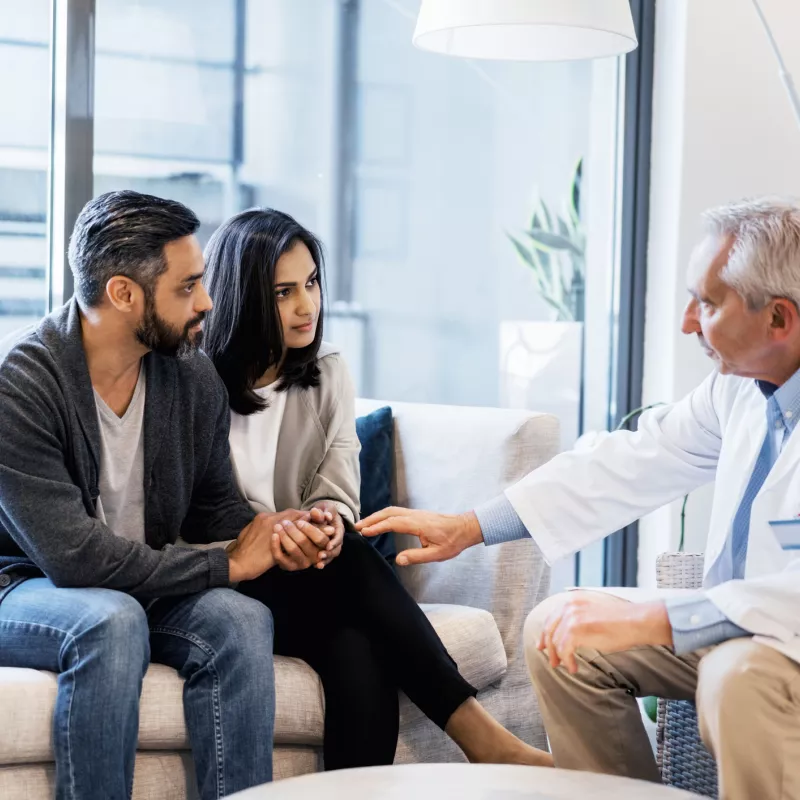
(222, 104)
(24, 134)
(471, 211)
(483, 266)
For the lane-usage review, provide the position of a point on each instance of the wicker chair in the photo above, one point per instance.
(684, 761)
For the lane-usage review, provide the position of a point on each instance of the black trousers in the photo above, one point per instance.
(356, 625)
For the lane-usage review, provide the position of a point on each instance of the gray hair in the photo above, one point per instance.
(764, 261)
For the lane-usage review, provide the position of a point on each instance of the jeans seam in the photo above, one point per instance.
(219, 738)
(69, 723)
(30, 624)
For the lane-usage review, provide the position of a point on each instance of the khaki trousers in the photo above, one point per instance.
(747, 695)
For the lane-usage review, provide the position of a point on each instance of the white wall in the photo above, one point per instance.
(723, 130)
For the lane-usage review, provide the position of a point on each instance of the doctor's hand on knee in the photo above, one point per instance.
(604, 626)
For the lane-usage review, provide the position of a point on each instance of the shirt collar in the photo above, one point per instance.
(787, 398)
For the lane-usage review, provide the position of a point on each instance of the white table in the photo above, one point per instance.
(459, 782)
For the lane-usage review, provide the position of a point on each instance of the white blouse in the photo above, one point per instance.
(254, 446)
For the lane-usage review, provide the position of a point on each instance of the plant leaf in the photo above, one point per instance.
(531, 259)
(547, 217)
(548, 282)
(545, 240)
(564, 229)
(538, 221)
(554, 279)
(536, 217)
(522, 251)
(575, 192)
(564, 314)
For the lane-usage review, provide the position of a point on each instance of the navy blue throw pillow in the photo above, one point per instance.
(376, 434)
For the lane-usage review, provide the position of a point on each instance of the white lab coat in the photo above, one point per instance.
(713, 434)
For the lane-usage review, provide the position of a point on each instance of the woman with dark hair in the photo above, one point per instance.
(294, 448)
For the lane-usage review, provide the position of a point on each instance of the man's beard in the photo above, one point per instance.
(157, 335)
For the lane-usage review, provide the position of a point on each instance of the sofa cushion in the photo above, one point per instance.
(27, 696)
(376, 460)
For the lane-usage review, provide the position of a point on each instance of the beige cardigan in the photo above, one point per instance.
(317, 456)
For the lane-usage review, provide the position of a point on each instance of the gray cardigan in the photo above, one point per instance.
(49, 471)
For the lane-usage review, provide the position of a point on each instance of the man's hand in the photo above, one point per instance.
(301, 543)
(251, 554)
(443, 536)
(333, 519)
(607, 627)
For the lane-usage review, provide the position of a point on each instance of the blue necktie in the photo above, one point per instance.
(766, 459)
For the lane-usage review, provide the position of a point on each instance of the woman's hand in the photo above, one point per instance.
(332, 520)
(299, 544)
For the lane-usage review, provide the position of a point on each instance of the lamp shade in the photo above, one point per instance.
(526, 30)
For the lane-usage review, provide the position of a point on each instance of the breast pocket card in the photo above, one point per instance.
(787, 532)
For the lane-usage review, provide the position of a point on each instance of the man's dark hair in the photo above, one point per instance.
(243, 334)
(124, 233)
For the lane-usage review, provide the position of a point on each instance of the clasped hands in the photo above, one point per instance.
(292, 540)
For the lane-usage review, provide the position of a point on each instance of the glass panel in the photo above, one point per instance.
(483, 269)
(24, 136)
(219, 104)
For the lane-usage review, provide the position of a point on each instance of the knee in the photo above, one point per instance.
(534, 624)
(532, 632)
(238, 623)
(537, 620)
(731, 678)
(113, 630)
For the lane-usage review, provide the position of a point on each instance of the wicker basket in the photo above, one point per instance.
(684, 761)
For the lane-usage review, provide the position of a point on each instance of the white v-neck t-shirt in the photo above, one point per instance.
(254, 447)
(121, 501)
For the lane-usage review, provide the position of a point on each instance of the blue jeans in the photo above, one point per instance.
(100, 643)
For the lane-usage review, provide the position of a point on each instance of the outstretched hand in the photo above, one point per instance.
(442, 536)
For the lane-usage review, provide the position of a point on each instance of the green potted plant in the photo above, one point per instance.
(554, 248)
(541, 360)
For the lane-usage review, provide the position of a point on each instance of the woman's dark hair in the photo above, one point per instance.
(242, 334)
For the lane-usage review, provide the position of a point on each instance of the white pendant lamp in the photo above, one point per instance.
(526, 30)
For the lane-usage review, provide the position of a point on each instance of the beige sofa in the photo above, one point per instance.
(447, 459)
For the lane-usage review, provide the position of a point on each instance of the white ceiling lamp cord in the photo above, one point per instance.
(786, 77)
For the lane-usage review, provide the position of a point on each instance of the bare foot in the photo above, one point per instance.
(485, 741)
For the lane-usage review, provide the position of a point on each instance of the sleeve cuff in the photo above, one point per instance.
(500, 522)
(696, 622)
(218, 567)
